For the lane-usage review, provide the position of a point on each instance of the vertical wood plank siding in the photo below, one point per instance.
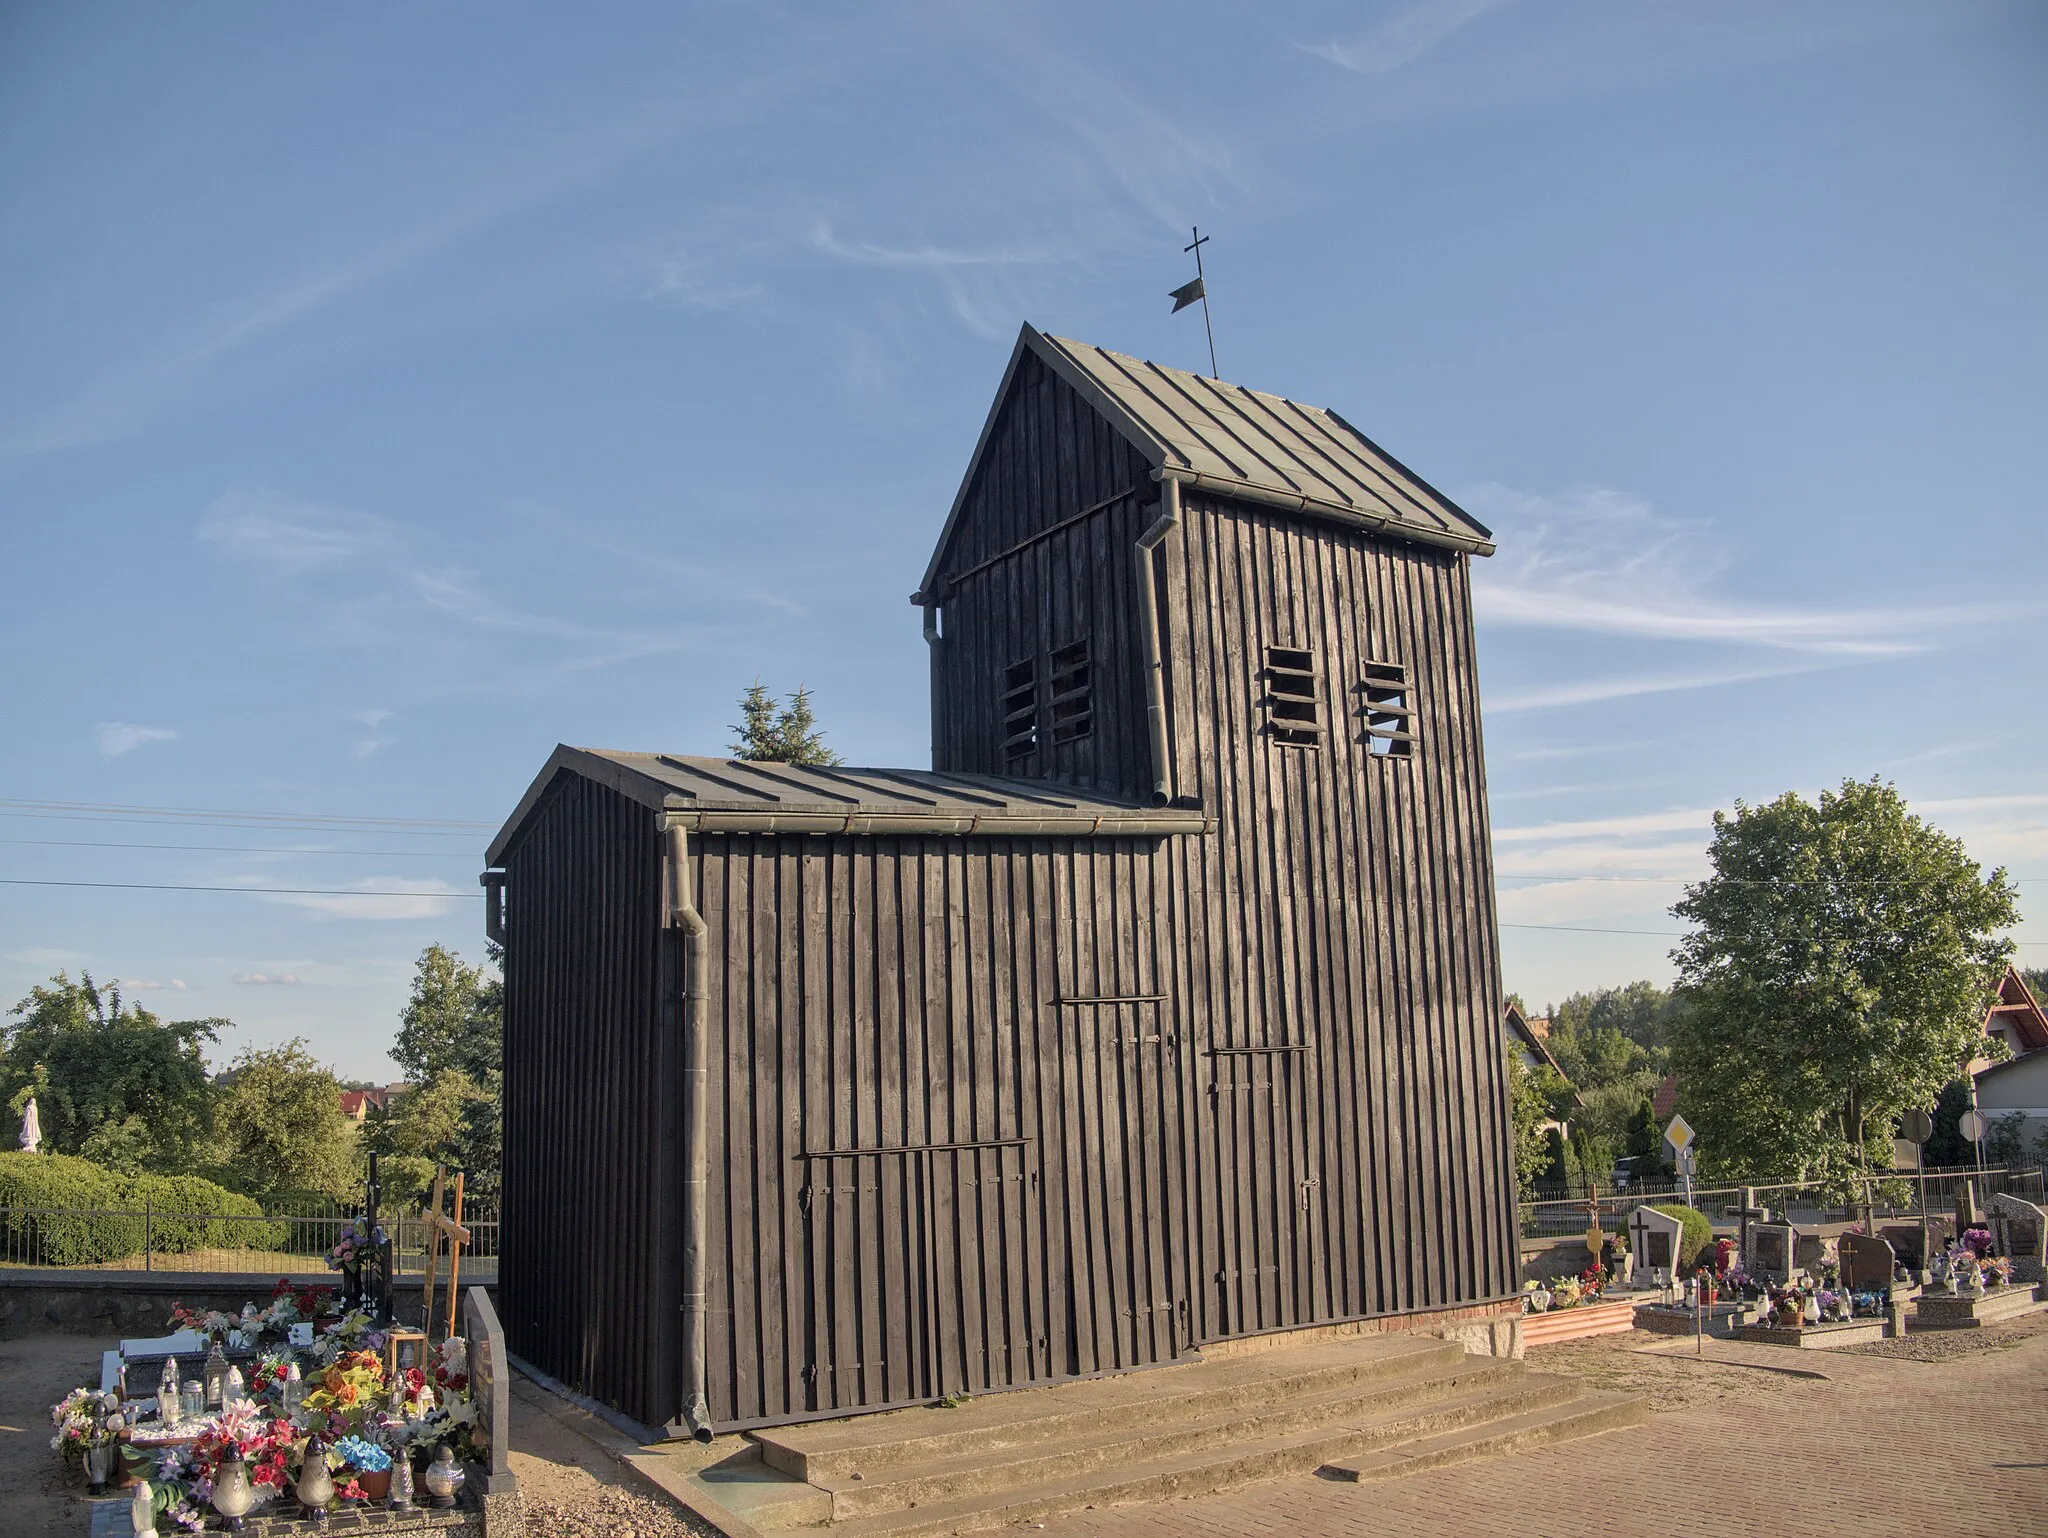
(987, 1111)
(1050, 460)
(1365, 1169)
(935, 1173)
(587, 1286)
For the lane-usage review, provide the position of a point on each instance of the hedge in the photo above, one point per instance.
(104, 1219)
(1698, 1232)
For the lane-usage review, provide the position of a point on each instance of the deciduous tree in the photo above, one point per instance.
(111, 1082)
(280, 1125)
(1842, 955)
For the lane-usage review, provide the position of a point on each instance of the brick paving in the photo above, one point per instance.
(1885, 1447)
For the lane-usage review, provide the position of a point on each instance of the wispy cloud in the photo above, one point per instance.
(415, 899)
(1607, 827)
(1593, 690)
(268, 979)
(286, 537)
(118, 737)
(1601, 561)
(363, 580)
(151, 985)
(1404, 37)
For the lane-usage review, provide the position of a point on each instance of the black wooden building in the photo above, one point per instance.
(1163, 1008)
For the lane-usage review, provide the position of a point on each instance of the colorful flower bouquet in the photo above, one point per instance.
(80, 1419)
(358, 1243)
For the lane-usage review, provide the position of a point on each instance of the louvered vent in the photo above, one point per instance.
(1020, 709)
(1386, 712)
(1291, 718)
(1073, 694)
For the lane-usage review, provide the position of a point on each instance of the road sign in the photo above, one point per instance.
(1916, 1126)
(1679, 1134)
(1972, 1125)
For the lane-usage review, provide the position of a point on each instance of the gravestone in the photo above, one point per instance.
(1810, 1253)
(1866, 1263)
(1904, 1239)
(490, 1388)
(1771, 1252)
(1655, 1237)
(2021, 1229)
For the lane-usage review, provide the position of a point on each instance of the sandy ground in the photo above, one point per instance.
(573, 1489)
(41, 1493)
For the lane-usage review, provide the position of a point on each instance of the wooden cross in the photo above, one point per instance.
(443, 1229)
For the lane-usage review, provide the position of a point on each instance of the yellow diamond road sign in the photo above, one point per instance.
(1679, 1134)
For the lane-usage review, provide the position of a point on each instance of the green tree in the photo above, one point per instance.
(452, 1022)
(1640, 1011)
(111, 1082)
(789, 735)
(1837, 973)
(281, 1127)
(451, 1045)
(1532, 1094)
(1947, 1146)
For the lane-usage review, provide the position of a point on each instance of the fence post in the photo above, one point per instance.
(147, 1234)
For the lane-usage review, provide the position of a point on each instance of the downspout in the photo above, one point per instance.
(493, 883)
(1148, 616)
(683, 914)
(931, 640)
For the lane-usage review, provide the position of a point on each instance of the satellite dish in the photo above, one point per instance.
(1972, 1125)
(1916, 1127)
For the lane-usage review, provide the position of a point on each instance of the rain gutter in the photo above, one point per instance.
(682, 914)
(1136, 824)
(1294, 501)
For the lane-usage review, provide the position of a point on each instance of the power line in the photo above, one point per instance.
(246, 891)
(399, 854)
(114, 810)
(285, 891)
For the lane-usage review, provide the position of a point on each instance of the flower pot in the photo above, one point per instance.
(377, 1486)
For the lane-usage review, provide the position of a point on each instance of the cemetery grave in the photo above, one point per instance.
(319, 1407)
(1992, 1272)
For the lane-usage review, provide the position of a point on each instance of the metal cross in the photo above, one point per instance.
(1195, 246)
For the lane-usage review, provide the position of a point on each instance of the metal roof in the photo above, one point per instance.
(724, 795)
(1240, 442)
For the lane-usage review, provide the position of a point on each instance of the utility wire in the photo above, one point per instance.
(246, 891)
(286, 891)
(112, 810)
(401, 854)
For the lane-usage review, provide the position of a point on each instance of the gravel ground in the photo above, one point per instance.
(1949, 1345)
(611, 1511)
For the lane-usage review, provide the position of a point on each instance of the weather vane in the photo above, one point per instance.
(1188, 293)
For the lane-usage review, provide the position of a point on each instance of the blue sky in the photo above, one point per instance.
(389, 393)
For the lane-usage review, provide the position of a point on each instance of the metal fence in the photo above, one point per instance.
(1804, 1205)
(282, 1240)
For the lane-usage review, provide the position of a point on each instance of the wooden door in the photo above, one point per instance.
(1123, 1207)
(1268, 1192)
(921, 1273)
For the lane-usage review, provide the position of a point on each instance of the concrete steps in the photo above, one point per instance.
(1584, 1415)
(1358, 1408)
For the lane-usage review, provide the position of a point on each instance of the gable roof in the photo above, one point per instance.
(1237, 442)
(2018, 1014)
(1523, 1029)
(724, 795)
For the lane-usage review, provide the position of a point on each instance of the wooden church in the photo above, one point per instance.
(1163, 1008)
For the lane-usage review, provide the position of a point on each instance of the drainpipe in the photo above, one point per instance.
(931, 640)
(493, 883)
(1148, 615)
(683, 914)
